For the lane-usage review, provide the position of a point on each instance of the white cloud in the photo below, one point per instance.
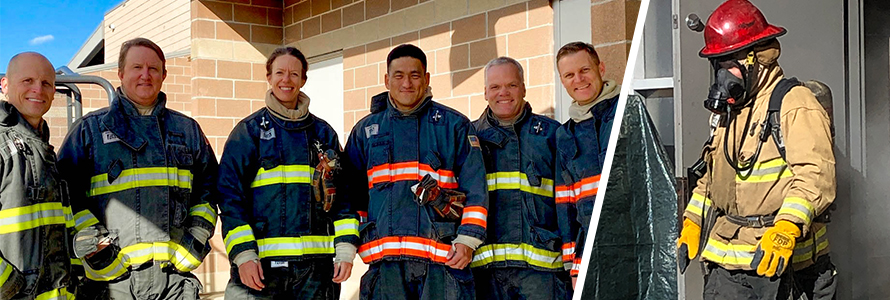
(41, 39)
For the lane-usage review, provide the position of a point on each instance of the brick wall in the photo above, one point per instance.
(612, 25)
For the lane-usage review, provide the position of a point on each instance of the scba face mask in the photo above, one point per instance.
(729, 92)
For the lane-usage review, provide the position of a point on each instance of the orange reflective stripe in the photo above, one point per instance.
(576, 267)
(568, 252)
(572, 193)
(476, 215)
(411, 170)
(404, 246)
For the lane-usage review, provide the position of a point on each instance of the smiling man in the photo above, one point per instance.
(34, 256)
(142, 180)
(521, 255)
(582, 142)
(407, 151)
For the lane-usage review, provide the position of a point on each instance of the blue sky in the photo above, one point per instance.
(55, 29)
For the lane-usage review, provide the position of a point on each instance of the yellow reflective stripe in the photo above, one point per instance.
(283, 174)
(803, 250)
(84, 219)
(295, 246)
(76, 262)
(33, 216)
(698, 204)
(798, 207)
(516, 252)
(204, 211)
(56, 294)
(767, 171)
(729, 254)
(141, 177)
(142, 253)
(5, 271)
(241, 234)
(345, 227)
(518, 181)
(112, 271)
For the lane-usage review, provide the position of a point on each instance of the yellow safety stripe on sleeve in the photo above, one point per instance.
(803, 250)
(295, 246)
(283, 174)
(204, 211)
(138, 254)
(141, 177)
(84, 219)
(5, 271)
(32, 216)
(518, 181)
(798, 207)
(698, 204)
(345, 227)
(76, 262)
(729, 254)
(767, 171)
(516, 252)
(241, 234)
(56, 294)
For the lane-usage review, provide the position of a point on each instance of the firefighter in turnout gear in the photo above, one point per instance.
(142, 179)
(521, 256)
(413, 251)
(756, 216)
(34, 210)
(283, 218)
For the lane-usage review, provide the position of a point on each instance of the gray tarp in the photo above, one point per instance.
(634, 254)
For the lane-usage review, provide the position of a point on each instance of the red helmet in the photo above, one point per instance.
(735, 25)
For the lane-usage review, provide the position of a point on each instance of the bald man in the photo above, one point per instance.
(34, 255)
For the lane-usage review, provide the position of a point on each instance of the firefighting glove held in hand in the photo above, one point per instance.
(86, 240)
(323, 185)
(687, 245)
(775, 249)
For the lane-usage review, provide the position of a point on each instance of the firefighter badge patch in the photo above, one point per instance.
(474, 141)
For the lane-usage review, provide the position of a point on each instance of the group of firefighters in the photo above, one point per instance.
(439, 206)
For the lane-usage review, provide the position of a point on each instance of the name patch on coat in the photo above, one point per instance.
(267, 134)
(371, 130)
(109, 137)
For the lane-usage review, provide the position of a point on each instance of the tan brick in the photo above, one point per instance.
(250, 89)
(331, 21)
(232, 108)
(216, 127)
(250, 14)
(376, 8)
(529, 43)
(468, 82)
(483, 51)
(233, 32)
(507, 19)
(354, 57)
(441, 85)
(408, 38)
(348, 121)
(477, 6)
(205, 106)
(233, 70)
(477, 106)
(353, 14)
(420, 16)
(355, 100)
(172, 88)
(289, 3)
(540, 98)
(266, 34)
(174, 70)
(400, 4)
(213, 10)
(607, 21)
(367, 76)
(539, 13)
(447, 10)
(455, 58)
(212, 49)
(302, 11)
(374, 90)
(540, 71)
(258, 71)
(266, 3)
(348, 79)
(178, 79)
(377, 51)
(203, 29)
(274, 17)
(435, 37)
(335, 4)
(632, 9)
(361, 114)
(293, 33)
(288, 16)
(461, 104)
(213, 87)
(320, 6)
(468, 29)
(615, 58)
(311, 27)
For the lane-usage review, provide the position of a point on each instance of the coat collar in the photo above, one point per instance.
(122, 113)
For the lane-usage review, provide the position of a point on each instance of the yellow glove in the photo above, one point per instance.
(687, 245)
(775, 249)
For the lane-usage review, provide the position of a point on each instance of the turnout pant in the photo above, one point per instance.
(519, 283)
(395, 280)
(311, 279)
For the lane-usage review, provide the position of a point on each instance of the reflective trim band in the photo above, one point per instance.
(283, 174)
(729, 254)
(84, 219)
(516, 252)
(362, 216)
(803, 250)
(345, 227)
(587, 187)
(76, 262)
(576, 267)
(33, 216)
(411, 170)
(241, 234)
(138, 254)
(112, 271)
(56, 294)
(141, 177)
(295, 246)
(767, 171)
(799, 208)
(518, 181)
(401, 246)
(568, 252)
(5, 271)
(204, 211)
(698, 204)
(476, 215)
